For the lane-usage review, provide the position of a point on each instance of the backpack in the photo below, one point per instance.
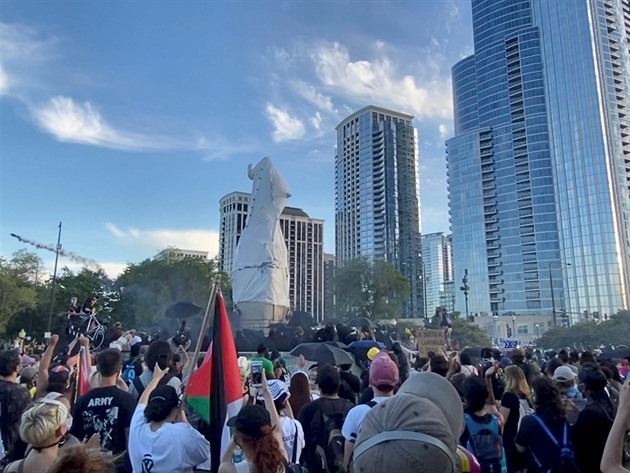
(524, 409)
(141, 387)
(486, 444)
(567, 462)
(329, 449)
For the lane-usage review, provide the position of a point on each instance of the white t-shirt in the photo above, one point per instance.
(289, 431)
(354, 419)
(173, 448)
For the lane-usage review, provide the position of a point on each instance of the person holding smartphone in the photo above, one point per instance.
(160, 437)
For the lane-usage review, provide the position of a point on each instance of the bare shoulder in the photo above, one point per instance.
(226, 467)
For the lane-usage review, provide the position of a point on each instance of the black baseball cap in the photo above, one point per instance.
(250, 420)
(164, 394)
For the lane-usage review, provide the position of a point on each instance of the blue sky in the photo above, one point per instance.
(129, 120)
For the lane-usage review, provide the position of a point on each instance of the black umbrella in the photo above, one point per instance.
(323, 354)
(182, 310)
(615, 354)
(301, 318)
(341, 345)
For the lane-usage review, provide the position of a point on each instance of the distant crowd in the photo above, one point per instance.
(448, 412)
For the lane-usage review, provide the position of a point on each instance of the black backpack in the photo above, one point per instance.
(567, 462)
(329, 448)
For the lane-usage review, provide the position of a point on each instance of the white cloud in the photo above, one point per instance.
(159, 239)
(378, 81)
(4, 81)
(444, 130)
(312, 95)
(112, 269)
(21, 53)
(73, 122)
(316, 121)
(286, 127)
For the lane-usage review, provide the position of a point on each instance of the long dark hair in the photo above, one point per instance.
(547, 401)
(595, 382)
(300, 392)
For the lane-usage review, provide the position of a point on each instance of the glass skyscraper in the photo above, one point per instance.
(377, 195)
(437, 266)
(539, 168)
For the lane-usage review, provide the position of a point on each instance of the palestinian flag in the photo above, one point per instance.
(215, 391)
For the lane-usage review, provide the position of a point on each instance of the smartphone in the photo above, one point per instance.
(257, 368)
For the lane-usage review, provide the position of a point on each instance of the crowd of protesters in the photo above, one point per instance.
(498, 413)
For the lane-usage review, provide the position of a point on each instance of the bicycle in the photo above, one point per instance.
(95, 331)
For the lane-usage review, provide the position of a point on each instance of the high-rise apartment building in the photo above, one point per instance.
(303, 236)
(539, 168)
(377, 207)
(437, 265)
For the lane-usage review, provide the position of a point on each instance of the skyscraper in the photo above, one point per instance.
(437, 266)
(539, 168)
(377, 207)
(303, 236)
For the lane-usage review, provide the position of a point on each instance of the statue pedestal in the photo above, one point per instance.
(259, 315)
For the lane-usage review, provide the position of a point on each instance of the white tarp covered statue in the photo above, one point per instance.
(260, 273)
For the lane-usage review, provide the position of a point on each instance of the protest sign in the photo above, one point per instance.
(430, 340)
(508, 343)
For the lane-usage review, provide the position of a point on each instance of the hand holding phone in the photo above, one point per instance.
(257, 371)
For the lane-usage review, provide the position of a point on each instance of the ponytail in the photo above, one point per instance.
(268, 456)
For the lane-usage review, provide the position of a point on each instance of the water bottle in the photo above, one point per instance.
(237, 456)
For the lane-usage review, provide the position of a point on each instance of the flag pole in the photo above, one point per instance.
(204, 327)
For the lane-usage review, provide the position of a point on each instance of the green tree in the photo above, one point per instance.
(145, 290)
(469, 335)
(19, 281)
(615, 331)
(374, 289)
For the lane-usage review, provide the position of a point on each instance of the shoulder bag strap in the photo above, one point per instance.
(138, 385)
(295, 442)
(542, 424)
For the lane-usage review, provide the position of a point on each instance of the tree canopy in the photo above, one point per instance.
(374, 289)
(145, 290)
(615, 331)
(18, 285)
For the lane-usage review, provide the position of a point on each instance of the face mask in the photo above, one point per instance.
(69, 422)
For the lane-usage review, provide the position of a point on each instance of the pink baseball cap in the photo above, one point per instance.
(383, 371)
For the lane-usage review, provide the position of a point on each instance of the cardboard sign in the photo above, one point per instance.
(508, 343)
(430, 340)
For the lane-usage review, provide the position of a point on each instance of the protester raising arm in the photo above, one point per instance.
(44, 365)
(613, 452)
(158, 374)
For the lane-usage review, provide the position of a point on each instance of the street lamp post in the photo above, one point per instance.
(424, 289)
(553, 296)
(54, 279)
(514, 325)
(465, 288)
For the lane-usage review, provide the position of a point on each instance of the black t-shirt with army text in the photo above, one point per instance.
(106, 411)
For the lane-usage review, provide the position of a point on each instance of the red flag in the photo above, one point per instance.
(215, 391)
(83, 374)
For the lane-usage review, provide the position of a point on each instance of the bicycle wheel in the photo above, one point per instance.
(99, 338)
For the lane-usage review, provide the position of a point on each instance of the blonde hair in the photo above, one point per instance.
(515, 381)
(40, 422)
